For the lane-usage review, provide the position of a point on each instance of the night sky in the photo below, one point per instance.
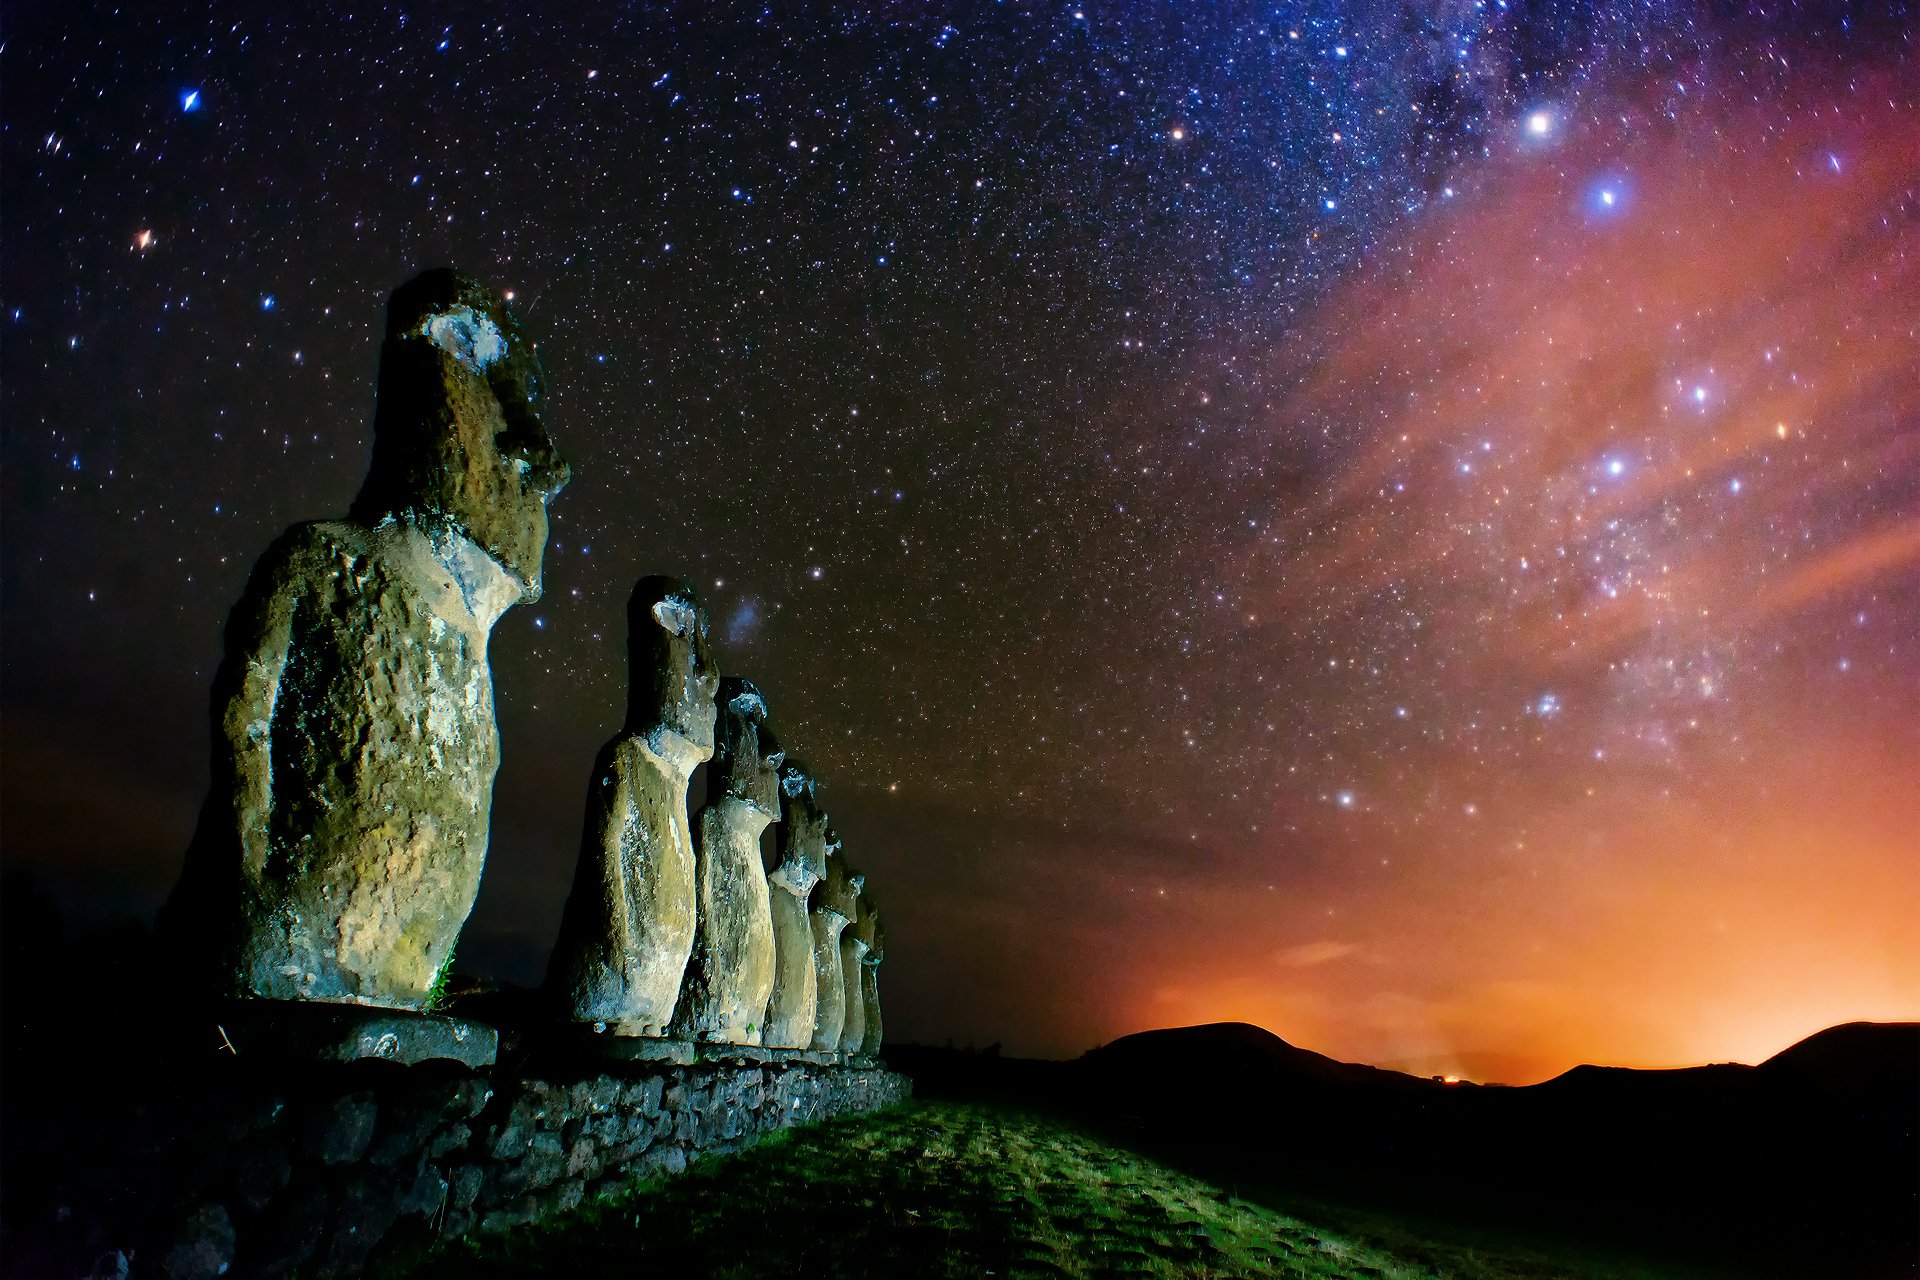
(1398, 523)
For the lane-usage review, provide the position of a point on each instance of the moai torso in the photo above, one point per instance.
(802, 848)
(833, 909)
(855, 942)
(341, 845)
(629, 923)
(870, 985)
(730, 975)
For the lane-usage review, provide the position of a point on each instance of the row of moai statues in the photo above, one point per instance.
(340, 848)
(677, 928)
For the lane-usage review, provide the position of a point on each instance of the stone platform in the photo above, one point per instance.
(249, 1165)
(311, 1031)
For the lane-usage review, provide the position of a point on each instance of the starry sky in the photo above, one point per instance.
(1395, 522)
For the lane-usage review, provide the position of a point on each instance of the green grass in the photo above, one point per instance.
(944, 1190)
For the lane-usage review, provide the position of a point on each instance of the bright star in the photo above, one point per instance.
(190, 100)
(1540, 124)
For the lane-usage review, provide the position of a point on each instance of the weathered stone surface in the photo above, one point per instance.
(629, 923)
(833, 909)
(314, 1031)
(872, 1027)
(628, 1042)
(202, 1246)
(801, 843)
(855, 943)
(341, 1133)
(341, 844)
(730, 974)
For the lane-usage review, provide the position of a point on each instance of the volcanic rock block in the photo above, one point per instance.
(628, 927)
(870, 986)
(801, 841)
(354, 746)
(730, 975)
(833, 910)
(855, 943)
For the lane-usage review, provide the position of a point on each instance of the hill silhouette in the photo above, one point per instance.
(1806, 1164)
(1240, 1050)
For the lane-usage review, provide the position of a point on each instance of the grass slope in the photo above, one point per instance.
(944, 1189)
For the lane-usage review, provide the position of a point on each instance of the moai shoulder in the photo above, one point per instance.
(800, 848)
(855, 941)
(354, 744)
(833, 908)
(629, 923)
(876, 939)
(730, 975)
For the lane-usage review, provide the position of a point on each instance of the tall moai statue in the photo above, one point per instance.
(871, 1027)
(855, 942)
(628, 927)
(801, 846)
(730, 975)
(354, 746)
(833, 910)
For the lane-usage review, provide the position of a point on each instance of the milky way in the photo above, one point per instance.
(1395, 524)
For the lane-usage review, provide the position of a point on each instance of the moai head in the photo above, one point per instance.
(864, 922)
(876, 936)
(802, 838)
(459, 438)
(839, 889)
(747, 759)
(671, 668)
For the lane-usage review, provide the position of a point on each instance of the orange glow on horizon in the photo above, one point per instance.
(1652, 479)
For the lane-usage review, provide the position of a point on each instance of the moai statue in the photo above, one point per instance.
(833, 910)
(354, 746)
(870, 985)
(730, 976)
(855, 942)
(801, 844)
(629, 923)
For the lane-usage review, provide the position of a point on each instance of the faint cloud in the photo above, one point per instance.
(1310, 954)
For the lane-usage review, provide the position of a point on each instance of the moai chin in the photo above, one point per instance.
(801, 844)
(730, 975)
(870, 984)
(855, 943)
(833, 910)
(628, 927)
(354, 746)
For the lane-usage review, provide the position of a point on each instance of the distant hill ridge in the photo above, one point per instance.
(1854, 1053)
(1804, 1165)
(1239, 1048)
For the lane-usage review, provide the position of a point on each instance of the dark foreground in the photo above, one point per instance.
(969, 1190)
(1807, 1165)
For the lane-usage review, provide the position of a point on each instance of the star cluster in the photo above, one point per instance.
(1396, 522)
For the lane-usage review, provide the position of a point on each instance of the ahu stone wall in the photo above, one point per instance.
(251, 1174)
